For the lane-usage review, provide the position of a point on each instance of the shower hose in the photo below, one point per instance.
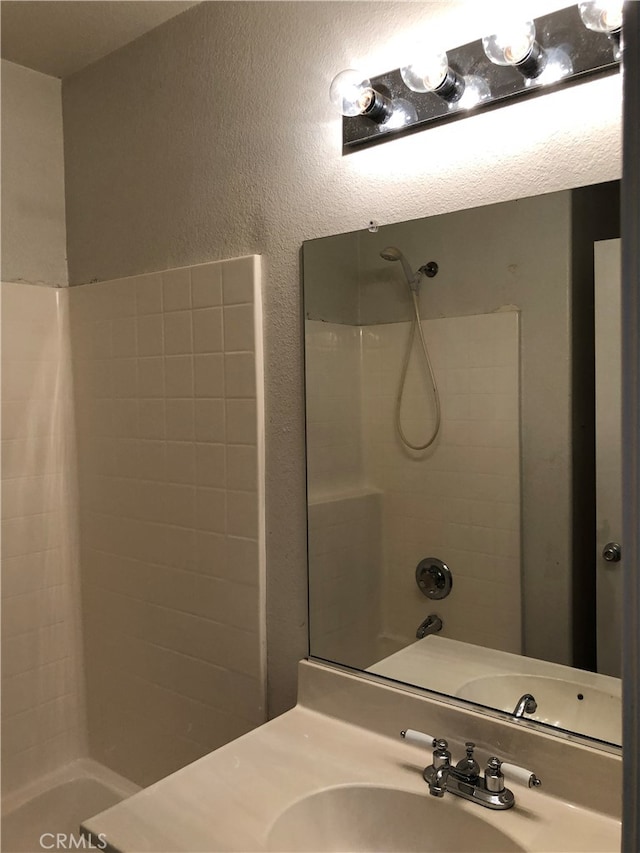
(403, 378)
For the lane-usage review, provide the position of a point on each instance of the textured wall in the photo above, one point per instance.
(169, 413)
(42, 687)
(206, 139)
(33, 223)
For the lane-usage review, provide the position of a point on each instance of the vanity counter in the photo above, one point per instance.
(231, 799)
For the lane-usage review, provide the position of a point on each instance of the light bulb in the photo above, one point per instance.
(516, 45)
(427, 71)
(511, 45)
(602, 16)
(352, 95)
(430, 72)
(351, 92)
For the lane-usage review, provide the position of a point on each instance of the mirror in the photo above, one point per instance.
(460, 496)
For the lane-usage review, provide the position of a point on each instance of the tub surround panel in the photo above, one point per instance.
(42, 688)
(167, 368)
(460, 499)
(376, 509)
(345, 556)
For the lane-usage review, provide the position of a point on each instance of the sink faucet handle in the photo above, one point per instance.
(469, 766)
(493, 777)
(520, 774)
(441, 754)
(418, 738)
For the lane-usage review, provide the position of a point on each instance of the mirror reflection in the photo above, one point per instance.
(463, 455)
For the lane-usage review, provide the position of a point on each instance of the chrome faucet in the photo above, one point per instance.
(526, 704)
(431, 625)
(465, 779)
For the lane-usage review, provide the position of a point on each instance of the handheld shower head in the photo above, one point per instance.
(391, 253)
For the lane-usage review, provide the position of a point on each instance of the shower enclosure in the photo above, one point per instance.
(133, 635)
(133, 630)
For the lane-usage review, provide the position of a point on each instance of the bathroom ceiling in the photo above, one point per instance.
(59, 38)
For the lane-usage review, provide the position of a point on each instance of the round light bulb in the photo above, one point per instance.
(427, 71)
(510, 45)
(351, 92)
(602, 16)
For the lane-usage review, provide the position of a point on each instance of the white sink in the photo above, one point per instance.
(565, 704)
(371, 819)
(312, 781)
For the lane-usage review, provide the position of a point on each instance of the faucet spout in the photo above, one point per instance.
(431, 625)
(438, 784)
(526, 704)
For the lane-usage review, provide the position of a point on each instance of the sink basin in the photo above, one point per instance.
(565, 704)
(371, 819)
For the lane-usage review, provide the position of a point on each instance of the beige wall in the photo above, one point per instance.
(168, 403)
(42, 687)
(33, 220)
(205, 138)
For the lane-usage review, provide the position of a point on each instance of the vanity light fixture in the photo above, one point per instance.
(537, 56)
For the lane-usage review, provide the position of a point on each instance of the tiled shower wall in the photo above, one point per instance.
(42, 688)
(168, 379)
(344, 513)
(459, 500)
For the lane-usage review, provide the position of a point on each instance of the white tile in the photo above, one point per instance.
(237, 281)
(176, 289)
(242, 467)
(179, 419)
(211, 510)
(241, 421)
(177, 333)
(149, 293)
(209, 375)
(150, 334)
(238, 328)
(207, 330)
(206, 285)
(124, 337)
(210, 465)
(178, 376)
(151, 377)
(242, 514)
(210, 420)
(240, 376)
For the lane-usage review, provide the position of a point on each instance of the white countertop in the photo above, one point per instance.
(228, 800)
